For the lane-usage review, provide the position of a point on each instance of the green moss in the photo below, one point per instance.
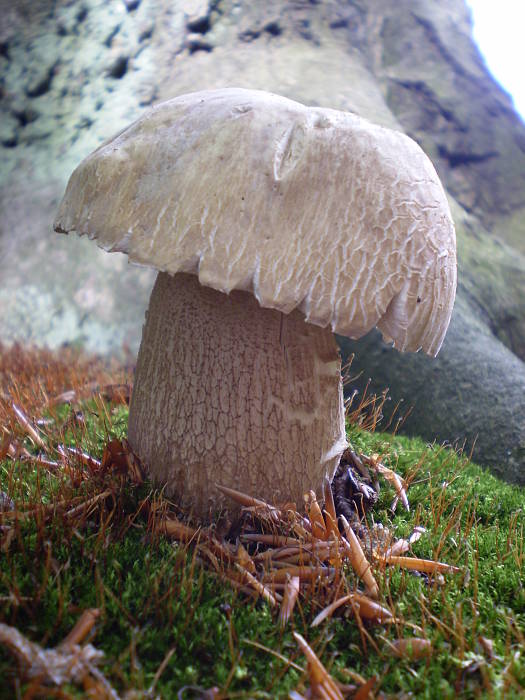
(154, 595)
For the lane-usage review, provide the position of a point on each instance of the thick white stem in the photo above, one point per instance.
(228, 392)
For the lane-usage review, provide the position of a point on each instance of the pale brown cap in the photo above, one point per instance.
(308, 208)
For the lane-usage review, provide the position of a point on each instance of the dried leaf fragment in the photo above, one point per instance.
(260, 507)
(370, 609)
(402, 545)
(365, 692)
(263, 591)
(290, 595)
(427, 566)
(358, 560)
(82, 628)
(119, 457)
(64, 664)
(321, 681)
(396, 481)
(84, 507)
(329, 610)
(316, 518)
(304, 573)
(84, 458)
(244, 559)
(413, 648)
(329, 505)
(367, 608)
(174, 528)
(271, 540)
(27, 426)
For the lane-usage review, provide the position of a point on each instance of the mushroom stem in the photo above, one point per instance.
(228, 392)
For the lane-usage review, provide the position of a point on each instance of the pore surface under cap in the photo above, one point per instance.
(308, 208)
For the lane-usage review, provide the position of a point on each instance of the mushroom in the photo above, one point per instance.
(273, 226)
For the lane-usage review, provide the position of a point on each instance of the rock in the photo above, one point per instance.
(468, 396)
(131, 5)
(447, 102)
(118, 66)
(196, 42)
(197, 16)
(40, 81)
(75, 72)
(8, 130)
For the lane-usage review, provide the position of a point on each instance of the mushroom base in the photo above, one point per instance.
(228, 392)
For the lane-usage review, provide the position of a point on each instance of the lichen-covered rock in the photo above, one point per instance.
(446, 101)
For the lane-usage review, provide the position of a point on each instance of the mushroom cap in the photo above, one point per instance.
(305, 207)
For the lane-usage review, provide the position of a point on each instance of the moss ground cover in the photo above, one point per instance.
(171, 626)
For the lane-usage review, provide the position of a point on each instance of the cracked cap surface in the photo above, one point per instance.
(305, 207)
